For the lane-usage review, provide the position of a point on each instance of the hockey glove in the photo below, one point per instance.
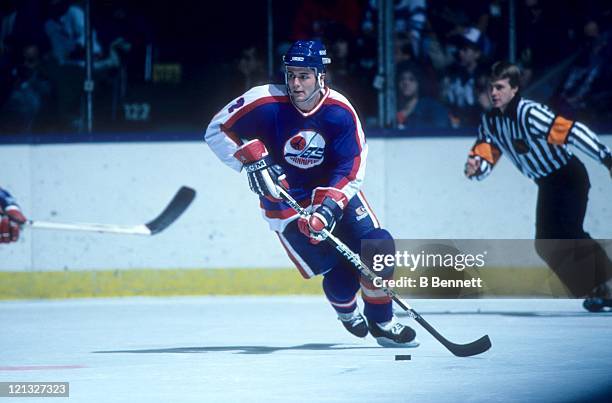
(11, 218)
(262, 173)
(324, 217)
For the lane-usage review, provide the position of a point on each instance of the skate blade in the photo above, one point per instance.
(386, 342)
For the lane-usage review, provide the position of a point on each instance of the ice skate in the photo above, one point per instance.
(354, 322)
(393, 334)
(599, 299)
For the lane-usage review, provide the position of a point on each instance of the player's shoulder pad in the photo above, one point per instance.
(256, 96)
(339, 107)
(339, 99)
(264, 91)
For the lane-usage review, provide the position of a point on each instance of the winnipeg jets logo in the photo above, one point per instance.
(305, 149)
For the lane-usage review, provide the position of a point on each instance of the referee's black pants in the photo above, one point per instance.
(579, 262)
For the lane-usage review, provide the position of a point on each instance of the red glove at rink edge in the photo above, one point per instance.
(10, 223)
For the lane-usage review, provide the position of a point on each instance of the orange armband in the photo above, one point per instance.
(486, 151)
(559, 130)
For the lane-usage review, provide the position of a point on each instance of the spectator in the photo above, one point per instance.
(313, 18)
(7, 23)
(435, 52)
(482, 92)
(586, 89)
(21, 25)
(459, 84)
(128, 24)
(539, 28)
(66, 32)
(30, 93)
(8, 13)
(340, 75)
(252, 68)
(347, 75)
(414, 109)
(450, 20)
(403, 49)
(411, 18)
(491, 19)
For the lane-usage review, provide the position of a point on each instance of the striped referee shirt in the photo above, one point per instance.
(534, 138)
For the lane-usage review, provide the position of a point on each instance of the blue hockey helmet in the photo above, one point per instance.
(311, 54)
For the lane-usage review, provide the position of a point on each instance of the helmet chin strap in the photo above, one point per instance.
(314, 93)
(316, 90)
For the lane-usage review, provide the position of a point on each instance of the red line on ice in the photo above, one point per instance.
(40, 367)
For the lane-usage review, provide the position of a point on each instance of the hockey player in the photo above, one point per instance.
(308, 138)
(11, 218)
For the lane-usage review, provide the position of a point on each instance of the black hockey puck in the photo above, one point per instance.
(403, 358)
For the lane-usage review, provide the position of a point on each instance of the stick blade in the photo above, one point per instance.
(474, 348)
(177, 206)
(460, 350)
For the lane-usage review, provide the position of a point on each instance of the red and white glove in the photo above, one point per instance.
(264, 176)
(11, 218)
(325, 216)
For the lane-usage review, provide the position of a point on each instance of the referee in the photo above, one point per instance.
(536, 141)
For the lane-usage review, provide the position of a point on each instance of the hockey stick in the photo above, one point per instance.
(461, 350)
(179, 203)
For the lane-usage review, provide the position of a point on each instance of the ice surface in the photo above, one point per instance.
(292, 349)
